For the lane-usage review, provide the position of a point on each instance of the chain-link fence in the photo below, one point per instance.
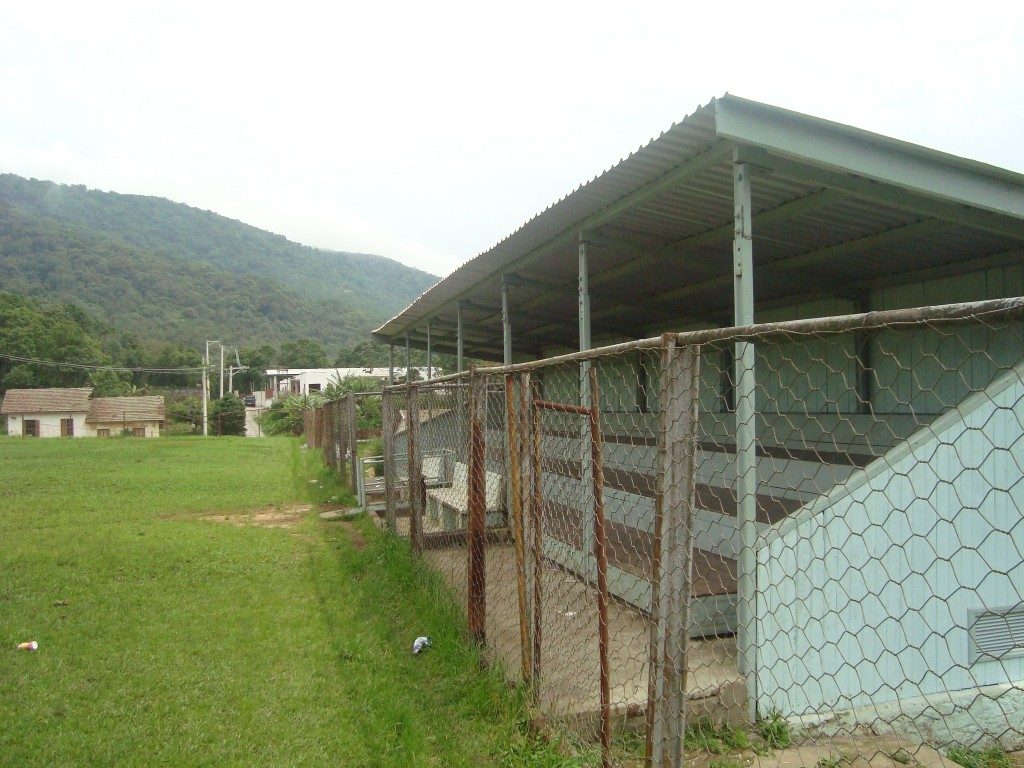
(799, 543)
(334, 428)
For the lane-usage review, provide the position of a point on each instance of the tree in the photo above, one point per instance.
(365, 354)
(285, 415)
(58, 333)
(368, 413)
(187, 410)
(302, 353)
(258, 359)
(106, 383)
(227, 415)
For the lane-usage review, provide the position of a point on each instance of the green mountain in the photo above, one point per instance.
(170, 272)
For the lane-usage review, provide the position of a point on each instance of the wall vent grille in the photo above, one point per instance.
(997, 634)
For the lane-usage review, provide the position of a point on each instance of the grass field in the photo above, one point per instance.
(174, 630)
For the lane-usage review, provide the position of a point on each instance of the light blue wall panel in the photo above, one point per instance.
(867, 597)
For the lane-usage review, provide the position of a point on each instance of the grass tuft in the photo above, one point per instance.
(703, 735)
(993, 757)
(775, 731)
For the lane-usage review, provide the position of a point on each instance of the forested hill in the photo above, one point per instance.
(168, 271)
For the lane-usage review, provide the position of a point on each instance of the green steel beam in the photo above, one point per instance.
(799, 261)
(866, 189)
(482, 335)
(899, 166)
(481, 350)
(887, 237)
(744, 357)
(721, 234)
(992, 261)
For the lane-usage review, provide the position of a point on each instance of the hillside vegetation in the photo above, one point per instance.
(170, 272)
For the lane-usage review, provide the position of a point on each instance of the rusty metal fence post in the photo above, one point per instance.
(674, 497)
(342, 441)
(339, 438)
(477, 508)
(601, 556)
(330, 455)
(512, 416)
(350, 410)
(415, 465)
(388, 414)
(537, 540)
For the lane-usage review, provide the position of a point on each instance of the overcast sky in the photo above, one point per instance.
(427, 132)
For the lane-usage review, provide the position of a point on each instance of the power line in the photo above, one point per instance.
(84, 366)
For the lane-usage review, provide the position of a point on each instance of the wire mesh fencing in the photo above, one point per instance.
(332, 428)
(800, 543)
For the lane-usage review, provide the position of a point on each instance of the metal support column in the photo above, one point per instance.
(430, 360)
(459, 342)
(408, 357)
(391, 363)
(506, 322)
(584, 298)
(746, 456)
(586, 491)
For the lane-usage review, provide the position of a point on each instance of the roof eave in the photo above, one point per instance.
(837, 147)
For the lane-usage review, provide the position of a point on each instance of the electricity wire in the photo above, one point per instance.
(88, 367)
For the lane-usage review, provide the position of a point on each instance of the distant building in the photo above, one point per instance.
(304, 381)
(73, 412)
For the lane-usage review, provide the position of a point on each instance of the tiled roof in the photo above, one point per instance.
(62, 400)
(111, 409)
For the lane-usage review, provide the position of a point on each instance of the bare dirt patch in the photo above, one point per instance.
(267, 517)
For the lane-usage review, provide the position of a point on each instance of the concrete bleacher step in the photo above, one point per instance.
(630, 550)
(714, 498)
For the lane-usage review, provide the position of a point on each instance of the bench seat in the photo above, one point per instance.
(450, 505)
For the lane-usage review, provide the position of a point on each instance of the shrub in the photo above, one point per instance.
(227, 416)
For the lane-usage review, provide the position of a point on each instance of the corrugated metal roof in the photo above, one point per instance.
(658, 227)
(54, 400)
(117, 409)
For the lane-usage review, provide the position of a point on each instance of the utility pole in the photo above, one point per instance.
(206, 386)
(221, 369)
(231, 371)
(206, 363)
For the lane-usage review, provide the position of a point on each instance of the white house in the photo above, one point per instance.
(113, 415)
(72, 412)
(304, 381)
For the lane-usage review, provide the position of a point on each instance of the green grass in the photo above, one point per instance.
(775, 731)
(703, 735)
(169, 636)
(993, 757)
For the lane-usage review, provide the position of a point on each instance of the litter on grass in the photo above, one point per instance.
(420, 644)
(32, 645)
